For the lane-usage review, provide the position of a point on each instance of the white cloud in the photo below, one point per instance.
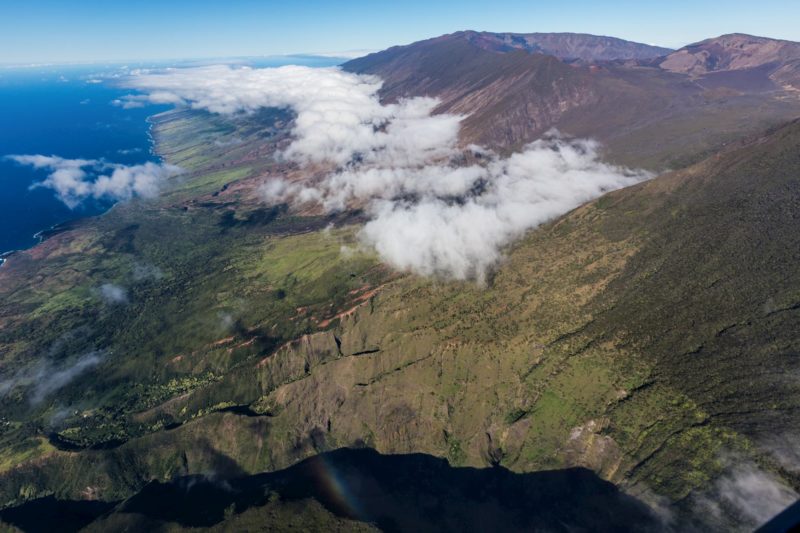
(338, 114)
(454, 221)
(75, 180)
(51, 161)
(784, 448)
(124, 182)
(746, 493)
(46, 377)
(432, 212)
(224, 143)
(49, 379)
(113, 294)
(346, 54)
(146, 271)
(226, 320)
(127, 103)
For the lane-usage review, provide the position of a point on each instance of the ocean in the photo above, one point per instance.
(67, 111)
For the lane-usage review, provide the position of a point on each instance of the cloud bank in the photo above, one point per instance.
(460, 233)
(75, 180)
(339, 115)
(436, 208)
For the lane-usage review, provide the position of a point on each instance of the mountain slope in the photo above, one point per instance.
(649, 335)
(503, 95)
(658, 302)
(664, 294)
(731, 275)
(754, 58)
(349, 489)
(566, 46)
(509, 97)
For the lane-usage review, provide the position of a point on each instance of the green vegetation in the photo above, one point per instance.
(250, 341)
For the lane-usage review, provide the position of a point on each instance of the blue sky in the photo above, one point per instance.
(89, 30)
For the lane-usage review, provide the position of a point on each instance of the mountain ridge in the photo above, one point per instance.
(565, 45)
(778, 59)
(643, 113)
(389, 493)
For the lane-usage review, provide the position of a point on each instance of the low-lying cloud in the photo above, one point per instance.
(113, 294)
(461, 234)
(339, 115)
(146, 272)
(76, 180)
(784, 448)
(453, 220)
(46, 376)
(436, 208)
(746, 494)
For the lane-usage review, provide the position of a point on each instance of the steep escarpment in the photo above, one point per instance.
(730, 275)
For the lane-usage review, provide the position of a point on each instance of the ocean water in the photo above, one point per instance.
(66, 111)
(58, 113)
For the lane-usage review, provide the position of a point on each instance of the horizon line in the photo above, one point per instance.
(344, 54)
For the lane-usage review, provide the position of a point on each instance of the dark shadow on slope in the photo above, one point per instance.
(405, 493)
(262, 216)
(49, 514)
(788, 520)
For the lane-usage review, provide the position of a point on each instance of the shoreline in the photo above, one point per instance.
(5, 255)
(59, 227)
(43, 235)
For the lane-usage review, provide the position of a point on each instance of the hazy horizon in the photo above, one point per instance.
(45, 31)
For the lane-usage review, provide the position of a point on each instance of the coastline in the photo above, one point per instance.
(5, 255)
(43, 235)
(65, 225)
